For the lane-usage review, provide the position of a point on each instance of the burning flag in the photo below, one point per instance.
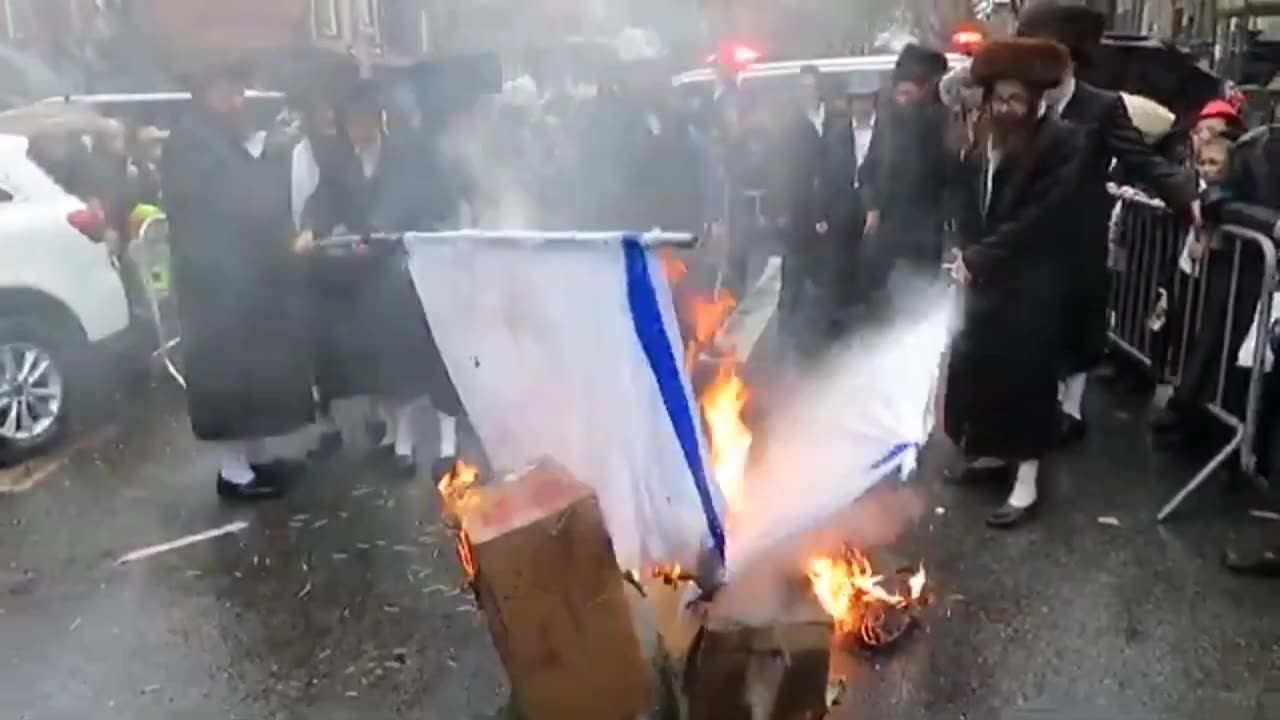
(855, 596)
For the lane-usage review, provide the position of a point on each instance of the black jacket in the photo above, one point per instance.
(240, 288)
(1109, 134)
(1001, 397)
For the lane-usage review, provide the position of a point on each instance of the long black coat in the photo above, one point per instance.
(1002, 382)
(241, 290)
(905, 176)
(843, 208)
(1109, 133)
(372, 336)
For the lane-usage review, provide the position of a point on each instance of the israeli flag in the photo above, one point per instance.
(567, 346)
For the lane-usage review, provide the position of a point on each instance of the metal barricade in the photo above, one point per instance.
(1178, 313)
(149, 252)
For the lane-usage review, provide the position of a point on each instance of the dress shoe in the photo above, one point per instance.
(330, 444)
(404, 467)
(375, 430)
(1009, 517)
(260, 488)
(381, 454)
(1071, 430)
(281, 472)
(1259, 564)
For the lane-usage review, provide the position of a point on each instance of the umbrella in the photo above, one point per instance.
(1156, 70)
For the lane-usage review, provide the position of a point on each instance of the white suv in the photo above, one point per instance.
(62, 303)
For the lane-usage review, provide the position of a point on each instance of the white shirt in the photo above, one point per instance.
(304, 178)
(862, 138)
(256, 144)
(817, 116)
(1068, 90)
(369, 158)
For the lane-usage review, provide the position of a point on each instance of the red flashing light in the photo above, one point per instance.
(737, 55)
(966, 41)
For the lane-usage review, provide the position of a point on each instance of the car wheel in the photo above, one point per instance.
(36, 382)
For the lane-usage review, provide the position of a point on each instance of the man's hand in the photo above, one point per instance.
(822, 227)
(873, 222)
(304, 243)
(1198, 249)
(960, 273)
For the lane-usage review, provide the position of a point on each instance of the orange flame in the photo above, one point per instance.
(456, 490)
(723, 403)
(673, 267)
(851, 592)
(707, 317)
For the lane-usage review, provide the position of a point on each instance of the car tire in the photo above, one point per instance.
(63, 349)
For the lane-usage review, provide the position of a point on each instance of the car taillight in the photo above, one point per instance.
(90, 221)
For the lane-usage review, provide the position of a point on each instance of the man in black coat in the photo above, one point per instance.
(847, 144)
(904, 178)
(1001, 406)
(1109, 134)
(240, 289)
(376, 340)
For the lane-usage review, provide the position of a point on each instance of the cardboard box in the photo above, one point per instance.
(549, 584)
(781, 669)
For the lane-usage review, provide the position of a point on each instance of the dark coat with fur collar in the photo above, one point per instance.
(1002, 383)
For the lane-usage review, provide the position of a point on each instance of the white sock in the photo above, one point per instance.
(983, 463)
(404, 430)
(233, 463)
(448, 435)
(1072, 395)
(1025, 491)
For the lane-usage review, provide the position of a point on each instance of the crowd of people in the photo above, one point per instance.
(992, 176)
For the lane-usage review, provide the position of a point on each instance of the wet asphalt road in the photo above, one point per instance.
(340, 601)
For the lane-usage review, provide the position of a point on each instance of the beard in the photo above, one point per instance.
(1010, 130)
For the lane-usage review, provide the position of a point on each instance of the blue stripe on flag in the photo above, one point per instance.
(896, 452)
(646, 314)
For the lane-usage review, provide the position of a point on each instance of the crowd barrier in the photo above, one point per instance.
(1184, 316)
(149, 253)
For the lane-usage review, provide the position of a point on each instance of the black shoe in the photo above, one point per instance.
(1071, 430)
(1259, 564)
(970, 475)
(1009, 517)
(281, 472)
(260, 488)
(381, 454)
(405, 467)
(330, 444)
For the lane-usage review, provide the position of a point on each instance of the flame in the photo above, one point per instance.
(723, 403)
(853, 594)
(673, 267)
(457, 484)
(672, 575)
(456, 490)
(707, 316)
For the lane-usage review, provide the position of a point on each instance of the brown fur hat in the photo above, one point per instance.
(1040, 64)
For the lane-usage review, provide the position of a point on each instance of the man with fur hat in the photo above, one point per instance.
(903, 179)
(1001, 405)
(1109, 133)
(241, 290)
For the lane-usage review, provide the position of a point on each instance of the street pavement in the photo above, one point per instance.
(342, 601)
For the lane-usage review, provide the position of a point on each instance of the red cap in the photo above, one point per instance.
(1219, 109)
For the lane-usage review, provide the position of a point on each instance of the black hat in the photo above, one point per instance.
(197, 68)
(1039, 64)
(1078, 27)
(919, 64)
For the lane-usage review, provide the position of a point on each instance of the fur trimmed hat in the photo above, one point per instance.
(919, 64)
(1040, 64)
(1078, 27)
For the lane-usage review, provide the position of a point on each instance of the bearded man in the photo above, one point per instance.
(1001, 402)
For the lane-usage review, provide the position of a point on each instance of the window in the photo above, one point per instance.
(325, 17)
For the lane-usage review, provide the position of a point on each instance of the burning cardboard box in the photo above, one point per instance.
(545, 575)
(779, 671)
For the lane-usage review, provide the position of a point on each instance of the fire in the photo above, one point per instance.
(672, 575)
(708, 315)
(723, 403)
(852, 593)
(456, 488)
(457, 484)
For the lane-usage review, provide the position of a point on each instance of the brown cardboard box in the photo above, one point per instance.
(549, 584)
(782, 668)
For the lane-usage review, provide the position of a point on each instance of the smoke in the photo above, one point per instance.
(836, 457)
